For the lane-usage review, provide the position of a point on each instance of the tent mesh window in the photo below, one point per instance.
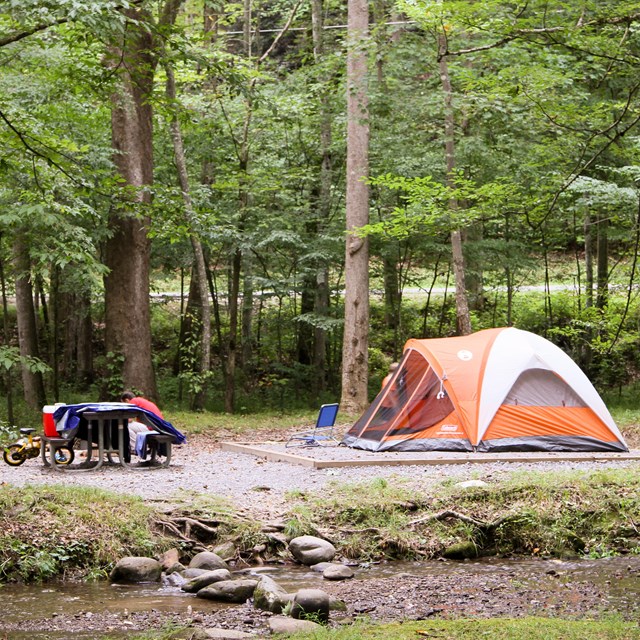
(542, 388)
(428, 406)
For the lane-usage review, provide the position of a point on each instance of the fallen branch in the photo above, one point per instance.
(366, 530)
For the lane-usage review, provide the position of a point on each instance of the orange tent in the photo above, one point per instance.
(495, 390)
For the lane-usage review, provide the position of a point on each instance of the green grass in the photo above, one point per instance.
(221, 425)
(494, 629)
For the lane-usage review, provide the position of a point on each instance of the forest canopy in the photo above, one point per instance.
(179, 181)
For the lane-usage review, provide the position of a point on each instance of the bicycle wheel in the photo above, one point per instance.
(64, 455)
(13, 455)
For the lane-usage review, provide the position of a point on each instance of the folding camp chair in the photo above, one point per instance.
(322, 434)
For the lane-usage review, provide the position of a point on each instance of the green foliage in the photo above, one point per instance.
(10, 357)
(545, 107)
(51, 530)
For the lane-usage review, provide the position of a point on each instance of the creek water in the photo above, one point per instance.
(618, 577)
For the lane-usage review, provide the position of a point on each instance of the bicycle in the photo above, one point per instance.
(30, 446)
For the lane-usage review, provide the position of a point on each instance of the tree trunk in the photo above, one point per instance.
(84, 339)
(189, 327)
(204, 363)
(246, 329)
(355, 359)
(127, 252)
(603, 263)
(588, 261)
(321, 302)
(232, 343)
(6, 337)
(32, 381)
(462, 303)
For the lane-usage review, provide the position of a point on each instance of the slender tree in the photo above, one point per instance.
(355, 359)
(32, 380)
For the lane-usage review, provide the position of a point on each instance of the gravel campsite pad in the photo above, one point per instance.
(253, 483)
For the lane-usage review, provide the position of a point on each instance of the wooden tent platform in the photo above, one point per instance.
(340, 456)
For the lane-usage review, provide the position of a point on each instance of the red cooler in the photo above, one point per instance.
(47, 420)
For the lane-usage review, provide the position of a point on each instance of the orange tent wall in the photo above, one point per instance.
(547, 421)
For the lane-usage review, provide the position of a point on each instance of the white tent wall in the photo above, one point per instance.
(515, 351)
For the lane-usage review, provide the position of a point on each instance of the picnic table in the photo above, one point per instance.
(103, 426)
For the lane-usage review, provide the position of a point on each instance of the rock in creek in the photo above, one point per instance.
(311, 604)
(270, 596)
(310, 550)
(134, 569)
(207, 560)
(237, 591)
(337, 572)
(205, 579)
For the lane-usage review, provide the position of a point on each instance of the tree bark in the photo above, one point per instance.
(602, 277)
(127, 252)
(355, 359)
(462, 303)
(232, 343)
(324, 200)
(588, 261)
(6, 337)
(32, 381)
(204, 363)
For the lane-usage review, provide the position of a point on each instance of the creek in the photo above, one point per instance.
(618, 577)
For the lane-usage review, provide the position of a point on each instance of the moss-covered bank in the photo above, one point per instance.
(55, 530)
(556, 514)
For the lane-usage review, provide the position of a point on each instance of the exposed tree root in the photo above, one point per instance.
(444, 515)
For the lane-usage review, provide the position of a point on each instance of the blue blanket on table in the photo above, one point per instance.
(68, 417)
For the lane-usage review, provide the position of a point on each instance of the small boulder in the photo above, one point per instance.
(136, 569)
(310, 550)
(338, 572)
(237, 591)
(226, 634)
(205, 579)
(226, 551)
(284, 625)
(173, 580)
(169, 558)
(472, 484)
(270, 596)
(461, 551)
(320, 567)
(207, 560)
(194, 573)
(178, 567)
(311, 604)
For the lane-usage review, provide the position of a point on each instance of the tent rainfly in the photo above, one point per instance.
(499, 389)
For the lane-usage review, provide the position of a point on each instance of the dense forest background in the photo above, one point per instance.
(313, 182)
